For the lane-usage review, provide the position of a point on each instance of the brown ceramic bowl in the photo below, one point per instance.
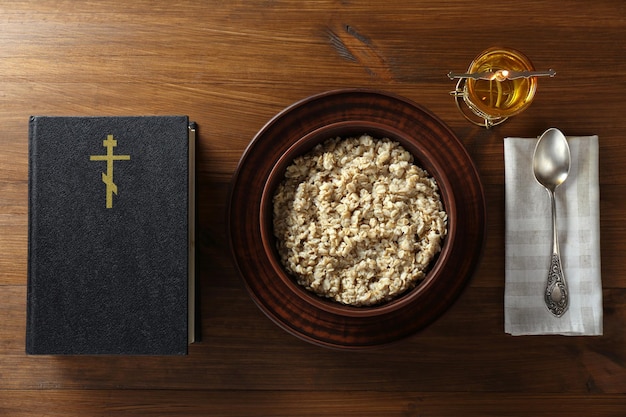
(348, 129)
(297, 130)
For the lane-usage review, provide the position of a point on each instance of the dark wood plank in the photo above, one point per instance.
(51, 402)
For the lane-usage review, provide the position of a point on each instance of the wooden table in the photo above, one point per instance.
(232, 65)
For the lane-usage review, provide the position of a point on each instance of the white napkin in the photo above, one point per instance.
(528, 238)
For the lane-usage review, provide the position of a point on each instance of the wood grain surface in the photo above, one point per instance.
(232, 65)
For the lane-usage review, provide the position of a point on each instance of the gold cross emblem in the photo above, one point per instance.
(107, 178)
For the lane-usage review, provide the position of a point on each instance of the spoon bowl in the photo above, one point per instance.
(551, 165)
(551, 161)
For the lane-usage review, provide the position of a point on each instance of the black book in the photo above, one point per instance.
(110, 235)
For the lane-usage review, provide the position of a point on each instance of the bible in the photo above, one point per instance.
(111, 235)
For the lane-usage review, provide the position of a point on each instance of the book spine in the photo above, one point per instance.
(32, 201)
(191, 228)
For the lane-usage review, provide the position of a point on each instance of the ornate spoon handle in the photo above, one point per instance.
(556, 295)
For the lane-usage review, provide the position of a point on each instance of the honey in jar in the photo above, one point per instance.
(499, 96)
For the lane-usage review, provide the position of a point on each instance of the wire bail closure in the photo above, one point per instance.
(470, 112)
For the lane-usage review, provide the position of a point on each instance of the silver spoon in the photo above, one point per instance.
(501, 75)
(551, 163)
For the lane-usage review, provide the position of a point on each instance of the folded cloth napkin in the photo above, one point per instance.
(528, 240)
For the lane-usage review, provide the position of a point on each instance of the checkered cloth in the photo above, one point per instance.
(528, 238)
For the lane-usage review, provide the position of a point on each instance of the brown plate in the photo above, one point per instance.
(294, 131)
